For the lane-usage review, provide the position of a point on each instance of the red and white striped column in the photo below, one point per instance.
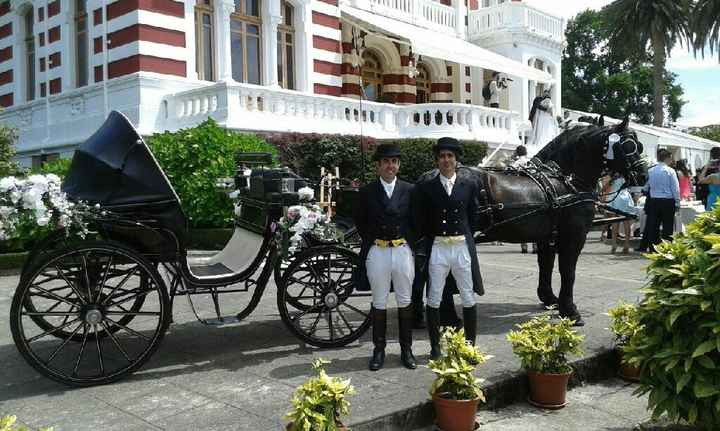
(327, 54)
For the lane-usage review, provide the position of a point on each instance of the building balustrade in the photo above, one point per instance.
(423, 13)
(515, 16)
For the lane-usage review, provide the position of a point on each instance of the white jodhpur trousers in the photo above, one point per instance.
(445, 259)
(386, 265)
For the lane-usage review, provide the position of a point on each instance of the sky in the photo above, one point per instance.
(700, 78)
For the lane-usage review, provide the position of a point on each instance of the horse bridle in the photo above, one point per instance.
(617, 143)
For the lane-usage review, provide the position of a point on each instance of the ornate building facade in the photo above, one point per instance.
(383, 68)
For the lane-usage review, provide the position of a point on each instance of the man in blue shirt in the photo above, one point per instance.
(663, 199)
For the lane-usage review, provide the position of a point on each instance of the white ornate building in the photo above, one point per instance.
(272, 65)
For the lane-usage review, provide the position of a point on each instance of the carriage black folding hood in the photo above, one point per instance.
(114, 167)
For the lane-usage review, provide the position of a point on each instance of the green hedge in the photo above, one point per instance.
(8, 136)
(193, 159)
(306, 153)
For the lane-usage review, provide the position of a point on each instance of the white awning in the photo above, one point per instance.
(438, 45)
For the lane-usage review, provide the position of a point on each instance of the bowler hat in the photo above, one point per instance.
(448, 144)
(386, 151)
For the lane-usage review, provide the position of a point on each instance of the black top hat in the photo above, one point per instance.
(449, 144)
(386, 150)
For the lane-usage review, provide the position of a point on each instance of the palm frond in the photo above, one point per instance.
(706, 26)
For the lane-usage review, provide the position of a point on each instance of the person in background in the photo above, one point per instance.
(663, 200)
(702, 190)
(684, 179)
(495, 90)
(619, 198)
(712, 180)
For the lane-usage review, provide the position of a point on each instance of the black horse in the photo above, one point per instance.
(552, 200)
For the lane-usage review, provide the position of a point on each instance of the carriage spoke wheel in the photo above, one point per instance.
(317, 298)
(89, 314)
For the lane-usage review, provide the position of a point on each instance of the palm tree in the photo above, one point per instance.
(659, 24)
(706, 25)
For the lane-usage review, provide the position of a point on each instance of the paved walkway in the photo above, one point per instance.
(243, 376)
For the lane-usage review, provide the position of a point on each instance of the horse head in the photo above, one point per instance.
(624, 154)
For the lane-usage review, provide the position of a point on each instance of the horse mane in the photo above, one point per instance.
(567, 141)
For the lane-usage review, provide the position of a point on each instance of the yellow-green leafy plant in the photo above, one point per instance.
(543, 346)
(679, 344)
(454, 370)
(7, 423)
(320, 402)
(624, 322)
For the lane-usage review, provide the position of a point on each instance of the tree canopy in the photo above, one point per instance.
(609, 81)
(708, 132)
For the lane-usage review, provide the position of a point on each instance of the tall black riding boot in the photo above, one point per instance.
(379, 326)
(405, 320)
(433, 324)
(448, 315)
(470, 322)
(418, 289)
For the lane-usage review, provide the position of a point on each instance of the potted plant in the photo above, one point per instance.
(624, 323)
(456, 392)
(543, 347)
(319, 402)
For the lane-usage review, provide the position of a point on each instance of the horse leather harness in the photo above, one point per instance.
(542, 174)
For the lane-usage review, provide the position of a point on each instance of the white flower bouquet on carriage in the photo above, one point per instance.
(303, 224)
(38, 201)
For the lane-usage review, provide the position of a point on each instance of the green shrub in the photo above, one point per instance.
(307, 153)
(454, 370)
(543, 346)
(8, 136)
(624, 322)
(7, 423)
(193, 159)
(320, 401)
(59, 167)
(678, 350)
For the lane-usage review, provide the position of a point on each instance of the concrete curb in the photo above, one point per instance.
(506, 390)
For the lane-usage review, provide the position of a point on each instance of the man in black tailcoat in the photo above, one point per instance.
(383, 218)
(445, 210)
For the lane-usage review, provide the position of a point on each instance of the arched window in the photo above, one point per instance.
(372, 76)
(81, 44)
(245, 41)
(29, 55)
(286, 47)
(204, 40)
(422, 84)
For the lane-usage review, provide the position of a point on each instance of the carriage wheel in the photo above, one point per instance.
(333, 313)
(90, 294)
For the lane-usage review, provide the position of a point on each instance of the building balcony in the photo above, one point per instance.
(428, 14)
(157, 103)
(250, 107)
(515, 16)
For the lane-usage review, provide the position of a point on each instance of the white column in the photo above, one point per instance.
(270, 45)
(223, 54)
(460, 12)
(190, 44)
(69, 52)
(303, 48)
(557, 86)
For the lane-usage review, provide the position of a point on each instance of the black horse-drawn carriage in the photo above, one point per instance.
(90, 311)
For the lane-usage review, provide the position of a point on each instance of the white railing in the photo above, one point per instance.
(251, 107)
(423, 13)
(515, 15)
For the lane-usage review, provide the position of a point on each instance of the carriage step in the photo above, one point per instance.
(222, 321)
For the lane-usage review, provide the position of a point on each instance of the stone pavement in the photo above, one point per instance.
(243, 376)
(608, 405)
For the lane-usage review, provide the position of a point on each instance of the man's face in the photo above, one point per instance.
(388, 168)
(446, 162)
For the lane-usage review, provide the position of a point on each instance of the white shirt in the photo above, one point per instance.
(389, 187)
(663, 183)
(448, 183)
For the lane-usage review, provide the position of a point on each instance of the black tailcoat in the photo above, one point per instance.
(436, 213)
(378, 217)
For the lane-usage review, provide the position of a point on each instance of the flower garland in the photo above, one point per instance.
(39, 200)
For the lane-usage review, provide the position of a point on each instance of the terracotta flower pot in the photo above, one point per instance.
(628, 372)
(548, 390)
(455, 415)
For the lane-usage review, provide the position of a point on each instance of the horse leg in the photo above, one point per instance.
(546, 263)
(569, 248)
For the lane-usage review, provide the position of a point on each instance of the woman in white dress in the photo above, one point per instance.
(542, 116)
